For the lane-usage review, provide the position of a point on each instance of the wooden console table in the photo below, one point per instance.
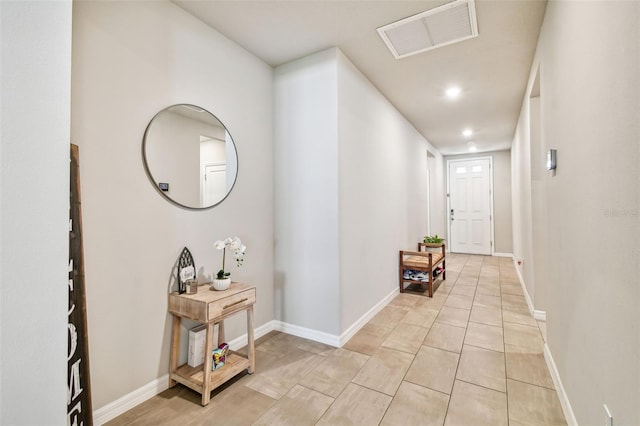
(211, 307)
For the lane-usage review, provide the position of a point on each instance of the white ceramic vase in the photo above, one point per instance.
(222, 284)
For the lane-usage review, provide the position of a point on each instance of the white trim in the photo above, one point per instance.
(153, 388)
(428, 195)
(562, 394)
(348, 334)
(540, 315)
(536, 313)
(243, 340)
(492, 214)
(332, 339)
(138, 396)
(495, 253)
(524, 287)
(130, 400)
(307, 333)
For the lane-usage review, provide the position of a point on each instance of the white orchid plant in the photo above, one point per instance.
(238, 249)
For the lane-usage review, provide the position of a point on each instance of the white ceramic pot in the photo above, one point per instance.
(222, 284)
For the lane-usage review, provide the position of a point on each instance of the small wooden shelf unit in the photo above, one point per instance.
(211, 308)
(422, 260)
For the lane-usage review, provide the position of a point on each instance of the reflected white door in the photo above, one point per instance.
(470, 206)
(214, 185)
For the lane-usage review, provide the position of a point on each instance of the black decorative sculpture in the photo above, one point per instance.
(186, 260)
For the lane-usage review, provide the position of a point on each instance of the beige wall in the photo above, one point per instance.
(589, 109)
(503, 238)
(130, 60)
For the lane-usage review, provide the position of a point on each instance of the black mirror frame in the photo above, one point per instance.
(153, 181)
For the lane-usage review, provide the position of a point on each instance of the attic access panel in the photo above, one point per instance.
(450, 23)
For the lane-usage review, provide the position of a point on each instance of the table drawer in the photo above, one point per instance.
(231, 304)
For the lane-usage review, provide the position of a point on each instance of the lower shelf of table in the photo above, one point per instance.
(193, 377)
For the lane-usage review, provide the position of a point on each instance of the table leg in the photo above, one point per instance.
(175, 347)
(251, 352)
(206, 380)
(221, 333)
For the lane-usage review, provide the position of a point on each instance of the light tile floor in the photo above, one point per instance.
(471, 355)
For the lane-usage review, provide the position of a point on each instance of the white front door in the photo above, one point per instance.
(470, 206)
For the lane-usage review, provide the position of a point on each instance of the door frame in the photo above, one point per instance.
(491, 212)
(428, 195)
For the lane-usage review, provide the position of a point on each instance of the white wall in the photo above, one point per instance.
(130, 60)
(382, 191)
(503, 226)
(538, 268)
(522, 200)
(36, 74)
(437, 194)
(351, 185)
(306, 193)
(589, 109)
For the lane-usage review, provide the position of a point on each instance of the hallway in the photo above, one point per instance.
(472, 355)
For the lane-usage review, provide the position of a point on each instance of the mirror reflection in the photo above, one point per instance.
(190, 156)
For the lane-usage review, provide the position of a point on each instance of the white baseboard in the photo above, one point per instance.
(332, 339)
(307, 333)
(353, 329)
(562, 395)
(495, 253)
(536, 313)
(524, 287)
(242, 341)
(130, 400)
(540, 315)
(138, 396)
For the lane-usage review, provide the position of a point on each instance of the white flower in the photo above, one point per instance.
(235, 244)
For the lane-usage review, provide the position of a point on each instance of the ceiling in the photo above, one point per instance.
(492, 69)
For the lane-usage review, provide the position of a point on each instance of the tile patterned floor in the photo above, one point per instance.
(471, 355)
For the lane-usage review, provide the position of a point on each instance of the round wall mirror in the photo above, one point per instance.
(190, 156)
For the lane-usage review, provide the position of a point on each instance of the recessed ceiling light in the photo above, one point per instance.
(473, 149)
(467, 132)
(453, 92)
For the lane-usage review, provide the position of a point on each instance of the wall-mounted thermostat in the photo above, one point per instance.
(164, 187)
(551, 159)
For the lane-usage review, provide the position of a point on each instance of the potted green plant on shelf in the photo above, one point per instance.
(223, 280)
(433, 241)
